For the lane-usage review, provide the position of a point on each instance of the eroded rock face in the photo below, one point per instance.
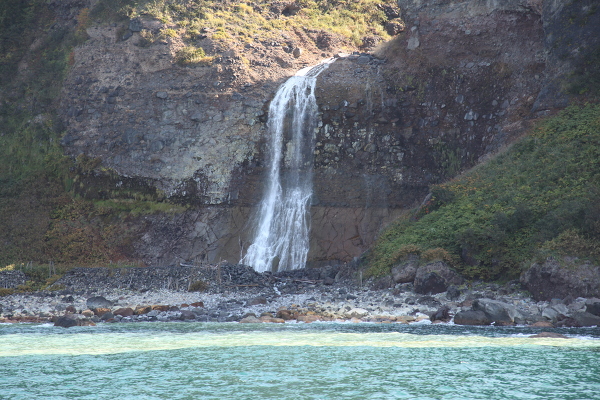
(458, 83)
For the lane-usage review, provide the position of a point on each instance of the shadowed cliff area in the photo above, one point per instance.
(134, 131)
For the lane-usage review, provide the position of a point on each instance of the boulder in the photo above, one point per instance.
(550, 313)
(186, 314)
(65, 321)
(552, 279)
(394, 26)
(68, 321)
(284, 314)
(442, 314)
(498, 312)
(592, 306)
(453, 293)
(405, 272)
(196, 304)
(136, 25)
(139, 310)
(161, 307)
(124, 312)
(98, 302)
(106, 316)
(430, 283)
(428, 301)
(435, 278)
(385, 282)
(257, 300)
(471, 317)
(100, 311)
(586, 319)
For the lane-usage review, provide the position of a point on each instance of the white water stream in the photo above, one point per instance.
(281, 238)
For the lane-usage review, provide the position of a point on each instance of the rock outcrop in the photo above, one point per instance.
(561, 278)
(460, 82)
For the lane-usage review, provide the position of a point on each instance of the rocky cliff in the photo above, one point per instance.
(460, 82)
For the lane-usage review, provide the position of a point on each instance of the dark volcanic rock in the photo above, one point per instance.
(453, 293)
(554, 279)
(405, 272)
(442, 314)
(106, 316)
(592, 306)
(124, 312)
(430, 283)
(586, 319)
(186, 314)
(98, 302)
(435, 278)
(471, 317)
(385, 282)
(496, 311)
(65, 321)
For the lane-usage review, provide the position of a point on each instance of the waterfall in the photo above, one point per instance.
(281, 237)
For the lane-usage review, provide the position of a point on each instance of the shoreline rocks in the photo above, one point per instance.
(298, 296)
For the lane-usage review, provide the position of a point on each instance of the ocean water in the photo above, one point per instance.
(296, 361)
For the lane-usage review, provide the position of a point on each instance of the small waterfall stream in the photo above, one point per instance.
(281, 238)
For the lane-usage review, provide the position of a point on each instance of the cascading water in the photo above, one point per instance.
(281, 238)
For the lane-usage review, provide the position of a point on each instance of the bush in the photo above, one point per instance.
(438, 254)
(6, 292)
(190, 55)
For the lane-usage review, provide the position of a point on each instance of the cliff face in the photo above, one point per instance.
(462, 81)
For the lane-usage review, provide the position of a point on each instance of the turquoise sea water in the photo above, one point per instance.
(295, 361)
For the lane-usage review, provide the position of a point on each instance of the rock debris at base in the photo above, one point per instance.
(242, 295)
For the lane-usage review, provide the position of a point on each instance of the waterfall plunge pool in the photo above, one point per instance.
(296, 361)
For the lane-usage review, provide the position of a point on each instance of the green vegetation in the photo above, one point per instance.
(42, 214)
(226, 20)
(585, 78)
(191, 55)
(540, 197)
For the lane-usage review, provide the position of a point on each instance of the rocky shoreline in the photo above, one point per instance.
(238, 294)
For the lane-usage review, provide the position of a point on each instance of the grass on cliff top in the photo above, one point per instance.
(227, 20)
(538, 198)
